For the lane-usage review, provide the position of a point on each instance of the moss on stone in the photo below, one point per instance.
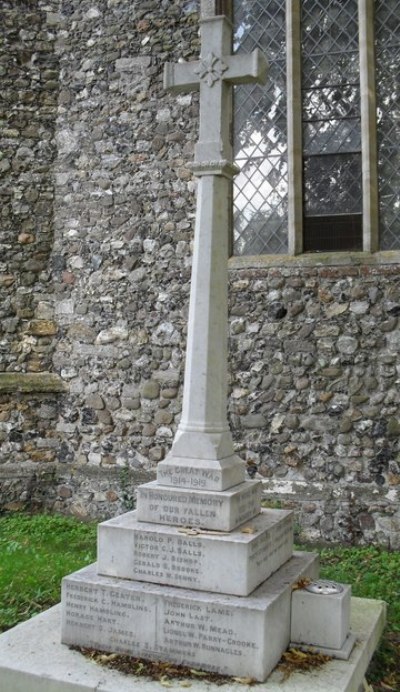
(31, 382)
(393, 427)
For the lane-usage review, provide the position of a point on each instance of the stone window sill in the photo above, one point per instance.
(315, 259)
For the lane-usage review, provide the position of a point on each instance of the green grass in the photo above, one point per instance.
(37, 551)
(372, 573)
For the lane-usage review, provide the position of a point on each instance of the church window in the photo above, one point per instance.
(387, 41)
(318, 145)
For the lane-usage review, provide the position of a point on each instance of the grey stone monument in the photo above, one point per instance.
(198, 574)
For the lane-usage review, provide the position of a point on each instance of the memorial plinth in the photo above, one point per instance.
(32, 659)
(214, 599)
(227, 634)
(222, 511)
(206, 474)
(233, 563)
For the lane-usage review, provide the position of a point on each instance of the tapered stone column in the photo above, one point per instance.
(203, 439)
(202, 454)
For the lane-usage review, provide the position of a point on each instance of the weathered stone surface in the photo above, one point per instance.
(215, 510)
(43, 328)
(157, 620)
(150, 390)
(39, 638)
(28, 75)
(163, 554)
(30, 382)
(321, 621)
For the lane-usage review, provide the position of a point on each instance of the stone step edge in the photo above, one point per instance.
(232, 635)
(207, 509)
(233, 563)
(47, 662)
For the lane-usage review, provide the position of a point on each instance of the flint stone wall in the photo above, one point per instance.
(314, 396)
(29, 84)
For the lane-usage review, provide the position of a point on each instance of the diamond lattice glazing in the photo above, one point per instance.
(260, 140)
(387, 50)
(331, 107)
(332, 184)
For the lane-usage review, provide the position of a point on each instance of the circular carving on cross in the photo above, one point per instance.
(211, 69)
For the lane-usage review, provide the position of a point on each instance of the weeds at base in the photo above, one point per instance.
(160, 671)
(294, 661)
(163, 672)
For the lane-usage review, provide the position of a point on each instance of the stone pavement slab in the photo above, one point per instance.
(32, 659)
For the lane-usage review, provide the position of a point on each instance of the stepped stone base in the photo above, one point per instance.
(200, 473)
(234, 563)
(33, 659)
(208, 509)
(227, 634)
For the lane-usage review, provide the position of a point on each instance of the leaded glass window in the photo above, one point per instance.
(387, 37)
(260, 141)
(319, 193)
(331, 125)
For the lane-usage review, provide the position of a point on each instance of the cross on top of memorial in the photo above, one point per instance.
(213, 74)
(202, 454)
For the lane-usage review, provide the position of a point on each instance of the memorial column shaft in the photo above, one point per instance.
(205, 385)
(203, 438)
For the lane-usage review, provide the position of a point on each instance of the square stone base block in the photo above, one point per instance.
(232, 563)
(321, 620)
(32, 659)
(227, 634)
(200, 472)
(207, 509)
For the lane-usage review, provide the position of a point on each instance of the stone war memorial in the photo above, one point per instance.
(199, 574)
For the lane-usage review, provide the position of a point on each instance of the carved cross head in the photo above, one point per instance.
(211, 69)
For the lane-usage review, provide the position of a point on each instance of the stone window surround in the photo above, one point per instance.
(370, 253)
